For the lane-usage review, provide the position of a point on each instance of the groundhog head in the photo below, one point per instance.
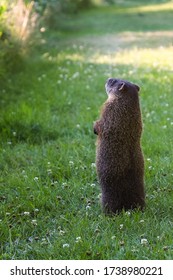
(117, 87)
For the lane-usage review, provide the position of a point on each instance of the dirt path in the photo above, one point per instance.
(110, 43)
(149, 49)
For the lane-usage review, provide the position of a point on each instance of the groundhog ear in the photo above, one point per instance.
(122, 87)
(137, 87)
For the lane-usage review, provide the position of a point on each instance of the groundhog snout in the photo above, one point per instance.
(110, 82)
(110, 85)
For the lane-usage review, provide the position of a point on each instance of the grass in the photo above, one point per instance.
(49, 192)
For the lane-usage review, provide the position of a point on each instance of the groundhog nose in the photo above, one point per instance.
(111, 81)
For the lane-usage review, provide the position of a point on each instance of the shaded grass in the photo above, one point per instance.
(139, 17)
(49, 192)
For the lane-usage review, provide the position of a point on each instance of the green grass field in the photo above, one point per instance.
(49, 193)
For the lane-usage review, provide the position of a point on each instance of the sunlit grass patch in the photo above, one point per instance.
(138, 49)
(160, 7)
(140, 7)
(160, 58)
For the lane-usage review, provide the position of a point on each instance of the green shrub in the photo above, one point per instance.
(14, 31)
(11, 58)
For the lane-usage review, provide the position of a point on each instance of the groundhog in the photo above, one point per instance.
(119, 158)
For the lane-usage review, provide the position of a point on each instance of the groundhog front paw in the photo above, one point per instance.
(96, 128)
(95, 131)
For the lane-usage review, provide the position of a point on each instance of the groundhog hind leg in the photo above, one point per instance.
(133, 195)
(137, 185)
(110, 203)
(139, 201)
(134, 202)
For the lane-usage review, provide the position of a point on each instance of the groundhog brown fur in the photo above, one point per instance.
(119, 158)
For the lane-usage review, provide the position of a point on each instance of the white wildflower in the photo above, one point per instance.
(26, 213)
(42, 29)
(34, 222)
(93, 165)
(78, 239)
(144, 241)
(49, 171)
(75, 75)
(164, 126)
(66, 245)
(121, 226)
(35, 179)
